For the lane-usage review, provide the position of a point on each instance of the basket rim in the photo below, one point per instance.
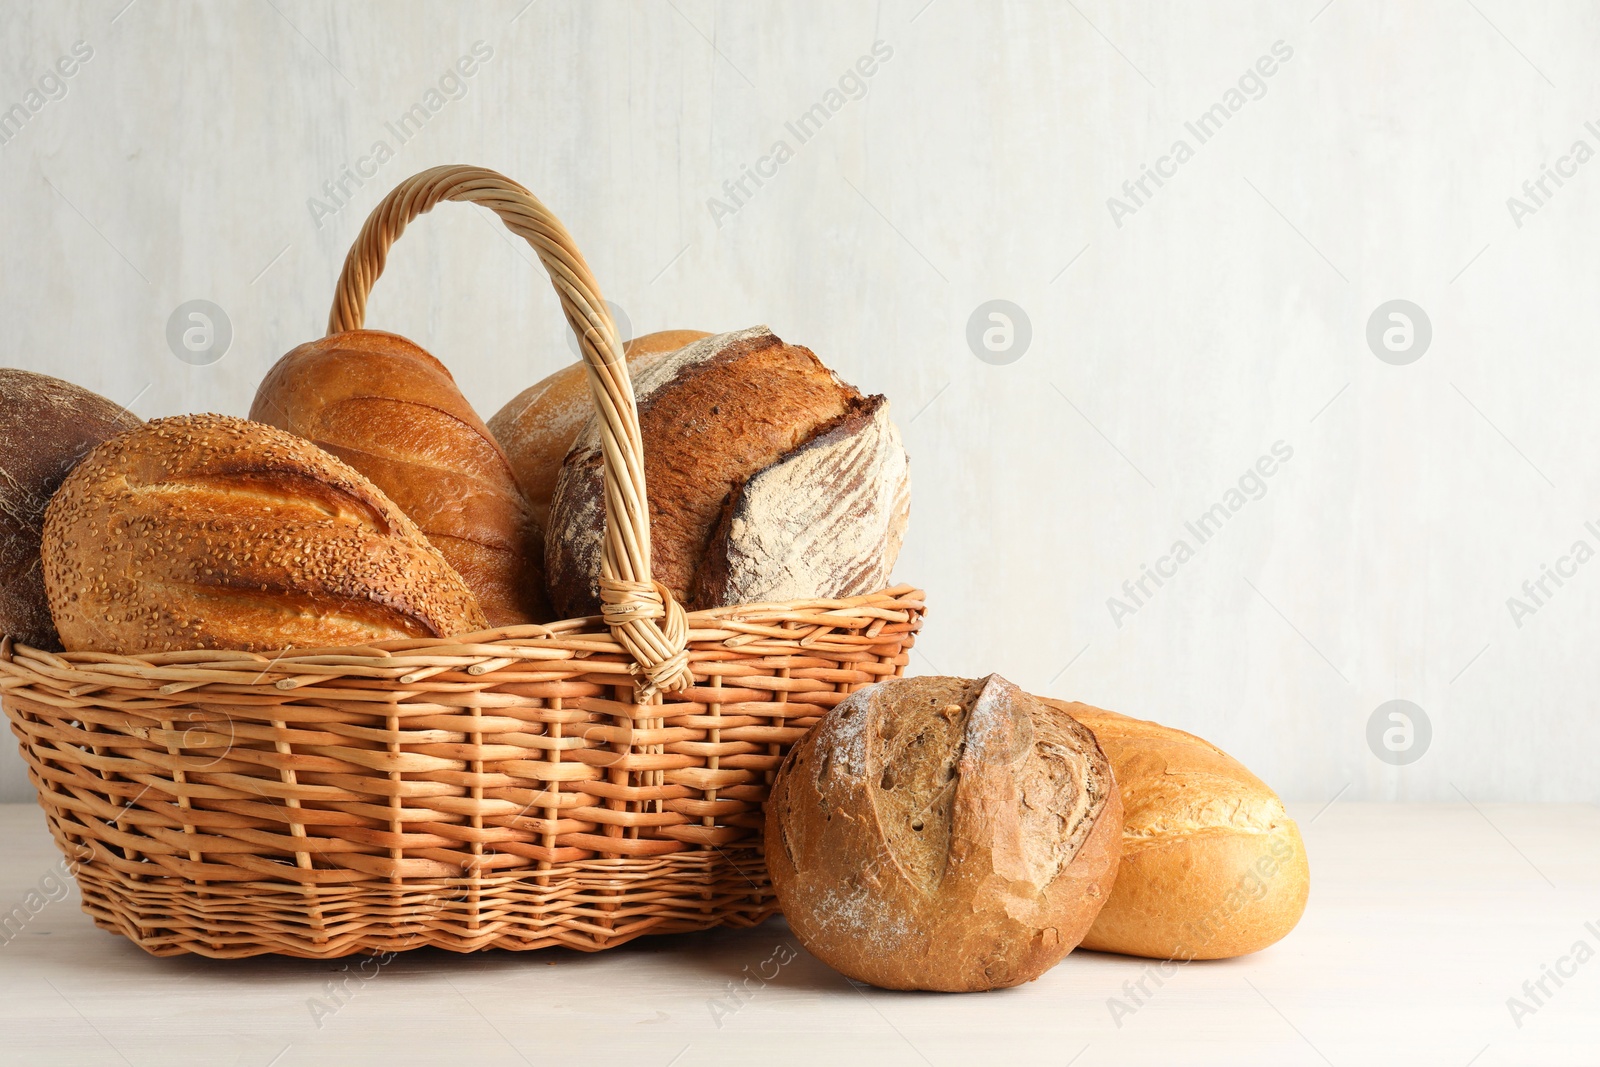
(897, 604)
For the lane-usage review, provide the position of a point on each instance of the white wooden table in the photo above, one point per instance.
(1423, 921)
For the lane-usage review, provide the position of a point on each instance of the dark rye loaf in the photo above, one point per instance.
(769, 480)
(46, 427)
(207, 531)
(943, 833)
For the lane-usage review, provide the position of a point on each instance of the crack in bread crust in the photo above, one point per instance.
(769, 479)
(943, 833)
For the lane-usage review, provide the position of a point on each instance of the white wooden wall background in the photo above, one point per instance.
(1227, 313)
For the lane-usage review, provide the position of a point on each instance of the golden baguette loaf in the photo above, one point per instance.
(207, 531)
(1212, 865)
(952, 834)
(46, 426)
(394, 413)
(538, 425)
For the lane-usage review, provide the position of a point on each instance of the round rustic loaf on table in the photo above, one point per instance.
(770, 480)
(46, 427)
(538, 425)
(393, 412)
(1212, 865)
(207, 531)
(944, 834)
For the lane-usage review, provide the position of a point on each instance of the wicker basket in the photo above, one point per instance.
(575, 784)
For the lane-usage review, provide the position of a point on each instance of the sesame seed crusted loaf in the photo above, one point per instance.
(393, 412)
(208, 531)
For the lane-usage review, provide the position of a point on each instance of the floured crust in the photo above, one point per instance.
(830, 515)
(393, 412)
(726, 423)
(943, 833)
(207, 531)
(46, 426)
(1213, 866)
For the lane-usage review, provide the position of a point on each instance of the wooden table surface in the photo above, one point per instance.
(1424, 921)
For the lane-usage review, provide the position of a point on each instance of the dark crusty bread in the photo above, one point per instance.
(769, 479)
(207, 531)
(46, 426)
(394, 413)
(538, 425)
(943, 833)
(1212, 865)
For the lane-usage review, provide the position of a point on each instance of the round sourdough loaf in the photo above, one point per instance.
(46, 426)
(394, 413)
(1212, 865)
(943, 833)
(539, 424)
(207, 531)
(769, 480)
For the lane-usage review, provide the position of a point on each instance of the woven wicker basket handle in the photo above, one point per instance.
(642, 615)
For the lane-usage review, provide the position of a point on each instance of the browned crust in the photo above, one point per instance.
(732, 411)
(1010, 879)
(1212, 867)
(536, 427)
(393, 412)
(773, 398)
(46, 427)
(207, 531)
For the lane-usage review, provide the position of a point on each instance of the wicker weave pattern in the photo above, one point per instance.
(505, 791)
(575, 784)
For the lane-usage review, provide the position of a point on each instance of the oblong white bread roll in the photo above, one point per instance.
(1212, 865)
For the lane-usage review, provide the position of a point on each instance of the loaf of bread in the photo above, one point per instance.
(943, 833)
(540, 423)
(393, 412)
(46, 426)
(769, 480)
(206, 531)
(1212, 865)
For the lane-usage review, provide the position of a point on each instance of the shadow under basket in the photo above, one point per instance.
(577, 784)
